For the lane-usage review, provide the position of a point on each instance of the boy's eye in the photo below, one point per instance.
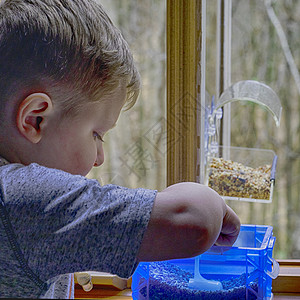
(98, 136)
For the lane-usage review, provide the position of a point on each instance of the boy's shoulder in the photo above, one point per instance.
(42, 186)
(20, 178)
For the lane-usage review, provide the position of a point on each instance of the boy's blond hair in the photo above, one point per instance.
(52, 44)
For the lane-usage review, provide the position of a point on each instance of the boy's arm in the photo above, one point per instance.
(187, 219)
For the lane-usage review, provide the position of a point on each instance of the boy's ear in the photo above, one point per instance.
(31, 115)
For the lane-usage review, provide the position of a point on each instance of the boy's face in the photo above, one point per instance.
(74, 144)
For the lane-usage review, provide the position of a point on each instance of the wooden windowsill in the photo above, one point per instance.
(100, 292)
(288, 280)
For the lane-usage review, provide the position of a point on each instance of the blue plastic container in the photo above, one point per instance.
(248, 267)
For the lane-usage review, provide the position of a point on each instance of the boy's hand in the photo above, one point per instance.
(186, 220)
(230, 228)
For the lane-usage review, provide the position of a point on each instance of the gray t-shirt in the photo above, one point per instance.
(53, 224)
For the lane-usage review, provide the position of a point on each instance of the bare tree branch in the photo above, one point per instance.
(284, 43)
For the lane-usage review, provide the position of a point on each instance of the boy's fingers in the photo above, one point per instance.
(230, 229)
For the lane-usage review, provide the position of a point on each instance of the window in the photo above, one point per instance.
(265, 47)
(257, 40)
(136, 156)
(135, 149)
(194, 74)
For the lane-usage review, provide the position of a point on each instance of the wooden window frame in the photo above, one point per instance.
(183, 88)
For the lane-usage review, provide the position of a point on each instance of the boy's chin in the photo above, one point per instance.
(75, 171)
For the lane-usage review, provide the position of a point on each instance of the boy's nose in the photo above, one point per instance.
(100, 156)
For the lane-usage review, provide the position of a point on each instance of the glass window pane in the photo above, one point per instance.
(259, 52)
(135, 149)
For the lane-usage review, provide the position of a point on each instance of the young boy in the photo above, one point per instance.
(65, 74)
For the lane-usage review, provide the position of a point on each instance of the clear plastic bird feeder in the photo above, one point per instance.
(237, 173)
